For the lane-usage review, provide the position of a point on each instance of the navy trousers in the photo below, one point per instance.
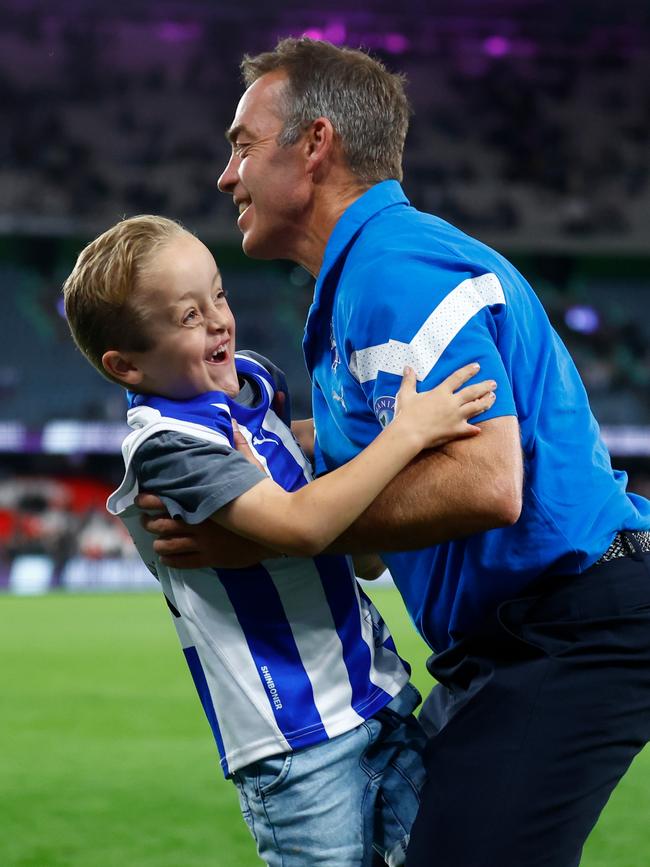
(533, 724)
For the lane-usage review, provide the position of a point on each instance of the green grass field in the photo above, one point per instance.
(107, 760)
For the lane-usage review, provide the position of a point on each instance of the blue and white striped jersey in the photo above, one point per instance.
(284, 654)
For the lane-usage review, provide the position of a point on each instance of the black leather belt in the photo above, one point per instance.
(622, 545)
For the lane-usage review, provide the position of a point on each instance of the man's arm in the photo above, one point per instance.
(197, 478)
(465, 487)
(197, 546)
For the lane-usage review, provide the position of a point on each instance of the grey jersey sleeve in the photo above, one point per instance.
(192, 477)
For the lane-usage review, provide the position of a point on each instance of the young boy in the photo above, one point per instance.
(309, 704)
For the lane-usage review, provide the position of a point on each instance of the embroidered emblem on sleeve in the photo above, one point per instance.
(384, 409)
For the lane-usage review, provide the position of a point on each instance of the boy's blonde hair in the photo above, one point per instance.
(99, 293)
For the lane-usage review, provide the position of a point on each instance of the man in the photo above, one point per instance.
(533, 578)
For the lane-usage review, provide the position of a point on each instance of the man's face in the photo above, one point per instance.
(268, 183)
(189, 322)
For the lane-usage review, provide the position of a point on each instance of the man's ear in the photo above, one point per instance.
(320, 143)
(121, 367)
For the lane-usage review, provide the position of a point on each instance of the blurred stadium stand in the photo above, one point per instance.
(531, 120)
(530, 130)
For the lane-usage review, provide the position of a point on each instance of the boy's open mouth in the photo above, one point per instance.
(219, 354)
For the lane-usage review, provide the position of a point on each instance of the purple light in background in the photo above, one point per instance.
(336, 33)
(582, 318)
(497, 46)
(177, 31)
(313, 33)
(525, 48)
(60, 308)
(396, 43)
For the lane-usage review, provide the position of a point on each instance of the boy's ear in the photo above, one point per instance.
(120, 367)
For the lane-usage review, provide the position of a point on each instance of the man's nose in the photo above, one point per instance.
(229, 176)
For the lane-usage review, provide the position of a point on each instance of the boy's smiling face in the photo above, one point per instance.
(189, 323)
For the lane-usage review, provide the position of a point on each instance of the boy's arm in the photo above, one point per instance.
(190, 479)
(465, 487)
(305, 521)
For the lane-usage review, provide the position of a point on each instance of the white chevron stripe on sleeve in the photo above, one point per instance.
(437, 332)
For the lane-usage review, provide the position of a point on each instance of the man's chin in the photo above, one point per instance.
(256, 248)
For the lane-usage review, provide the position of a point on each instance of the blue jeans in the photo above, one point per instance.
(331, 804)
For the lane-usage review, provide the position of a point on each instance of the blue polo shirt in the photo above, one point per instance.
(401, 287)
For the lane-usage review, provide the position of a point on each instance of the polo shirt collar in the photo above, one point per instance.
(376, 199)
(381, 196)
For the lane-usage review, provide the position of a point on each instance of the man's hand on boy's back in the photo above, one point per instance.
(199, 546)
(196, 546)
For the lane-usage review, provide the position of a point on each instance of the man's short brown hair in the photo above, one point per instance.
(366, 104)
(98, 294)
